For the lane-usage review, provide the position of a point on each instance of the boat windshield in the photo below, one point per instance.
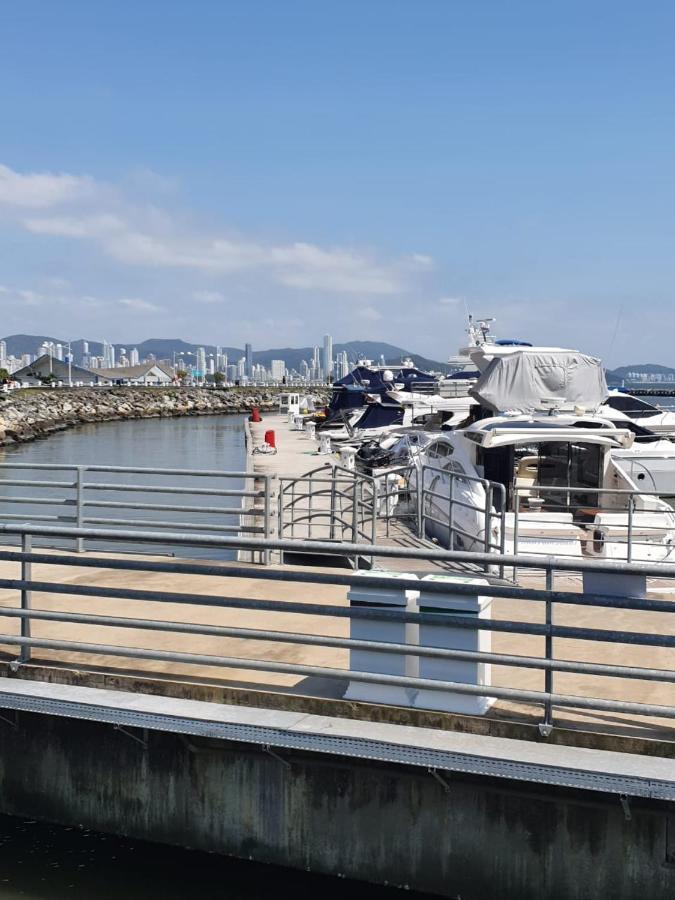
(632, 406)
(378, 415)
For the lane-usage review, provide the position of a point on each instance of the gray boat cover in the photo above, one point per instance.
(530, 381)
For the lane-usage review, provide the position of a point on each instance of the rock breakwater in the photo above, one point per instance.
(29, 414)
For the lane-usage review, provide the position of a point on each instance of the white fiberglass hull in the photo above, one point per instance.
(650, 466)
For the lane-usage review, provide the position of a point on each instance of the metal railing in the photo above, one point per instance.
(328, 503)
(614, 523)
(485, 506)
(216, 501)
(638, 643)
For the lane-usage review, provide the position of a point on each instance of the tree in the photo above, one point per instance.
(219, 378)
(5, 377)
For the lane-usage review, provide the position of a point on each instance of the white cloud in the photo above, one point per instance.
(299, 265)
(369, 313)
(450, 301)
(422, 260)
(41, 190)
(136, 305)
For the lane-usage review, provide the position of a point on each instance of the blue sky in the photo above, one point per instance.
(226, 171)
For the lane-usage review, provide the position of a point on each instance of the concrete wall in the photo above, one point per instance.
(482, 840)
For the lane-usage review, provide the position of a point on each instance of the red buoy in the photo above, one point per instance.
(270, 439)
(255, 415)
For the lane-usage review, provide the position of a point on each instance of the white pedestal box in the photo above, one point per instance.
(324, 443)
(615, 584)
(399, 664)
(310, 430)
(452, 638)
(348, 458)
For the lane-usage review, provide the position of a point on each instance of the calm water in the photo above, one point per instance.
(200, 442)
(47, 862)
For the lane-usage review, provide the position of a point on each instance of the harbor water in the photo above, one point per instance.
(199, 442)
(39, 861)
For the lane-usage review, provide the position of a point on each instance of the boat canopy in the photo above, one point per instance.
(381, 415)
(550, 379)
(373, 379)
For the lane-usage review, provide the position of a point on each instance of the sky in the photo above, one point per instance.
(265, 171)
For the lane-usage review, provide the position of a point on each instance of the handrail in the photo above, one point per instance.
(644, 636)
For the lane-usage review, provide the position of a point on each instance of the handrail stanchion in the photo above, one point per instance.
(629, 534)
(420, 500)
(267, 513)
(548, 673)
(26, 596)
(79, 505)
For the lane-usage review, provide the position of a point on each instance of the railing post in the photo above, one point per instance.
(355, 512)
(451, 511)
(548, 673)
(629, 535)
(333, 499)
(281, 492)
(79, 505)
(420, 500)
(26, 597)
(267, 513)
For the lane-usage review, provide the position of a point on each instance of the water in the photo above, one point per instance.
(200, 442)
(49, 862)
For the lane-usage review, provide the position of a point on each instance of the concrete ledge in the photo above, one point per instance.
(648, 744)
(571, 767)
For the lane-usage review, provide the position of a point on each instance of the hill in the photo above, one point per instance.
(166, 348)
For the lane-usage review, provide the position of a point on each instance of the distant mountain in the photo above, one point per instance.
(165, 348)
(622, 374)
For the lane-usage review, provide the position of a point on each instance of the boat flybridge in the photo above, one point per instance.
(536, 474)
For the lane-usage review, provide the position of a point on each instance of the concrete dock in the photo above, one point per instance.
(281, 768)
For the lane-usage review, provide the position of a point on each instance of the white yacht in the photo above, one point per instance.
(541, 478)
(620, 405)
(650, 462)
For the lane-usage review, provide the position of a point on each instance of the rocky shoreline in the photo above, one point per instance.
(31, 414)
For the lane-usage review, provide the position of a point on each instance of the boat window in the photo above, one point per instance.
(440, 450)
(570, 465)
(632, 406)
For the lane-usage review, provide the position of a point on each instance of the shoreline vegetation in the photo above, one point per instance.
(26, 415)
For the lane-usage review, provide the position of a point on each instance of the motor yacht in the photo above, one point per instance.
(622, 406)
(541, 477)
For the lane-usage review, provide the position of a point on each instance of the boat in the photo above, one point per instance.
(620, 405)
(536, 474)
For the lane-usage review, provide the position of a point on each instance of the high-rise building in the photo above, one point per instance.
(327, 355)
(248, 353)
(134, 357)
(108, 356)
(200, 365)
(342, 364)
(316, 365)
(278, 369)
(3, 354)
